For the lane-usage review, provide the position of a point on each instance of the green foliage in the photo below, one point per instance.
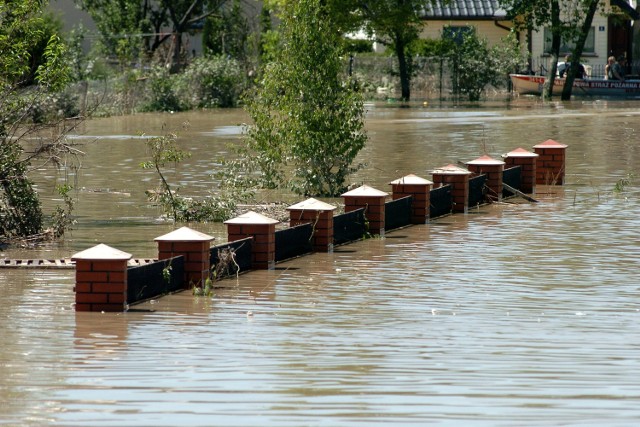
(622, 183)
(161, 91)
(25, 60)
(120, 23)
(394, 23)
(226, 32)
(212, 82)
(475, 65)
(358, 46)
(163, 151)
(308, 122)
(429, 47)
(62, 219)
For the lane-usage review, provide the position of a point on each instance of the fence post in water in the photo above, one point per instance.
(420, 191)
(373, 201)
(527, 162)
(194, 246)
(101, 279)
(458, 178)
(318, 213)
(493, 169)
(263, 231)
(551, 163)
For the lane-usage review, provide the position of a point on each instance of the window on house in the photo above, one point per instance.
(567, 47)
(455, 33)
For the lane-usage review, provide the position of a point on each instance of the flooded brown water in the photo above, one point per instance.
(512, 315)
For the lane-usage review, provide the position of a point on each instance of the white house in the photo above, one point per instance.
(612, 32)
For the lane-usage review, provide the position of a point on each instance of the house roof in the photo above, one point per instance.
(464, 9)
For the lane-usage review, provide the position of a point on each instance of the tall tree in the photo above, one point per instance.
(589, 8)
(568, 21)
(129, 26)
(308, 121)
(21, 28)
(533, 15)
(396, 24)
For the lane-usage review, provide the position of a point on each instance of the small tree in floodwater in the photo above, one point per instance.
(308, 117)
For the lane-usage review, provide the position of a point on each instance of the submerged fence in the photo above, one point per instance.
(105, 281)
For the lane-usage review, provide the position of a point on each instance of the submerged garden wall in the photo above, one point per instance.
(105, 280)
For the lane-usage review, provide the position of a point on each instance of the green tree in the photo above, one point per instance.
(393, 23)
(131, 27)
(122, 23)
(307, 120)
(22, 25)
(568, 21)
(589, 8)
(226, 32)
(476, 65)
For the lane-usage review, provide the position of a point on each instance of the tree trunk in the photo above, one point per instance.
(577, 51)
(556, 39)
(403, 68)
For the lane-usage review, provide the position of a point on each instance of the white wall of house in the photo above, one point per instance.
(599, 56)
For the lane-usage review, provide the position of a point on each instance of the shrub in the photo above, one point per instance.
(212, 82)
(160, 91)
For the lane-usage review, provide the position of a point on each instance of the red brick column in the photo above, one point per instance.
(194, 246)
(263, 231)
(527, 162)
(458, 178)
(101, 279)
(493, 169)
(373, 201)
(551, 162)
(420, 190)
(318, 213)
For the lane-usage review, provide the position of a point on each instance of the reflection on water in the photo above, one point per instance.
(515, 314)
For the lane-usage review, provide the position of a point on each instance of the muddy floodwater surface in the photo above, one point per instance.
(515, 314)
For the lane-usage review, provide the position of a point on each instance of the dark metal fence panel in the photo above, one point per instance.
(441, 201)
(150, 280)
(349, 227)
(230, 258)
(513, 178)
(294, 241)
(397, 213)
(477, 190)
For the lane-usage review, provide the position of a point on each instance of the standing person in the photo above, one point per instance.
(617, 69)
(564, 68)
(608, 69)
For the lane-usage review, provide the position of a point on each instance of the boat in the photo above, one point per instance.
(532, 85)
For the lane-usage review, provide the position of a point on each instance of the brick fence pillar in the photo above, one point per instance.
(320, 215)
(373, 201)
(527, 162)
(551, 162)
(420, 191)
(458, 178)
(263, 231)
(101, 279)
(493, 169)
(194, 246)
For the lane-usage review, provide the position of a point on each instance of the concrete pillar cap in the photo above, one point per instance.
(312, 204)
(102, 252)
(365, 191)
(451, 170)
(485, 161)
(550, 143)
(184, 234)
(411, 179)
(520, 152)
(252, 218)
